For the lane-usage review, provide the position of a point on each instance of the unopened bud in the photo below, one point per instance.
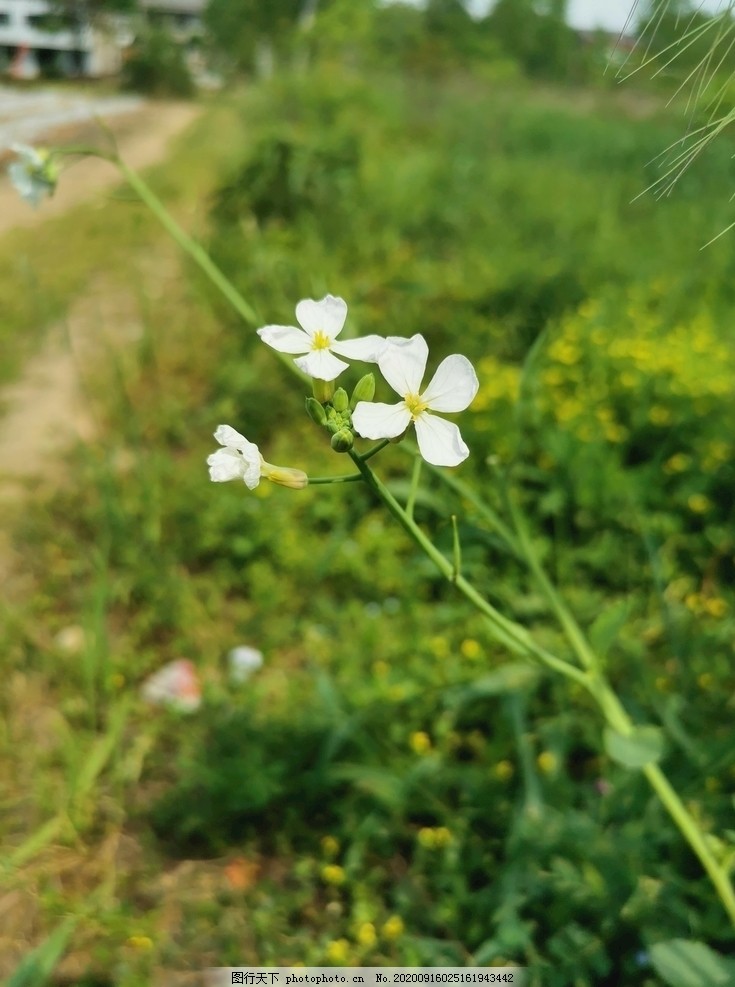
(316, 411)
(286, 476)
(339, 400)
(364, 390)
(343, 440)
(322, 389)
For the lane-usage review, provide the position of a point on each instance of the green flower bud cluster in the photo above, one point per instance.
(336, 414)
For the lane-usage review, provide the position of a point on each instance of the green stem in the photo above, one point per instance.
(198, 254)
(415, 476)
(349, 478)
(465, 491)
(569, 625)
(619, 720)
(693, 835)
(182, 238)
(513, 635)
(517, 638)
(372, 452)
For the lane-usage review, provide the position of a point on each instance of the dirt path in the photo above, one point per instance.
(45, 410)
(142, 138)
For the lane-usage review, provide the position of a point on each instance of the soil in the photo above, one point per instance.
(142, 138)
(45, 411)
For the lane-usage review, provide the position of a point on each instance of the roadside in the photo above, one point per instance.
(44, 411)
(143, 137)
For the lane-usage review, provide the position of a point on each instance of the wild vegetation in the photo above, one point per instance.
(394, 786)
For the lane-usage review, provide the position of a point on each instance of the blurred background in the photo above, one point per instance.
(375, 782)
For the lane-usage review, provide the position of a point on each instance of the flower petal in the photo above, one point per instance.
(226, 435)
(403, 362)
(224, 465)
(366, 348)
(373, 420)
(453, 386)
(29, 154)
(440, 442)
(321, 364)
(327, 316)
(286, 339)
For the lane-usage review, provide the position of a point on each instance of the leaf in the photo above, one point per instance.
(607, 626)
(512, 677)
(687, 963)
(36, 969)
(384, 786)
(645, 745)
(38, 840)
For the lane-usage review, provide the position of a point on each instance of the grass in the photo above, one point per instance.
(40, 275)
(393, 788)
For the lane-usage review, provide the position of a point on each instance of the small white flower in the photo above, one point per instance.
(321, 323)
(33, 174)
(176, 685)
(242, 662)
(452, 388)
(240, 459)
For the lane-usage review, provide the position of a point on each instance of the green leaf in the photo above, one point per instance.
(645, 745)
(385, 786)
(36, 969)
(687, 963)
(512, 677)
(607, 626)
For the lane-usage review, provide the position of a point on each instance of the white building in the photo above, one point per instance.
(182, 19)
(34, 40)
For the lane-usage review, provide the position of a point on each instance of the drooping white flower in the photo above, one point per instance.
(321, 323)
(34, 174)
(176, 685)
(452, 388)
(242, 662)
(240, 459)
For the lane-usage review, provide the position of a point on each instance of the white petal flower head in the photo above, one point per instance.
(452, 388)
(321, 323)
(240, 459)
(34, 174)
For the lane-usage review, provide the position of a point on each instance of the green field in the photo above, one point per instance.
(394, 787)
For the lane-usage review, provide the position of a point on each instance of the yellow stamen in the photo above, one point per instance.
(415, 405)
(320, 341)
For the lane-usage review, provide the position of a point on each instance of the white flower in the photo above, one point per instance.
(321, 323)
(452, 388)
(175, 685)
(33, 175)
(242, 662)
(241, 460)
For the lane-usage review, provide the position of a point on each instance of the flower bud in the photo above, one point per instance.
(339, 400)
(323, 389)
(316, 411)
(343, 440)
(286, 476)
(364, 390)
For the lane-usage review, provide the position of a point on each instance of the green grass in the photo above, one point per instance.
(392, 788)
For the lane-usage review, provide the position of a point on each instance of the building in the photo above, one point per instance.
(182, 19)
(36, 40)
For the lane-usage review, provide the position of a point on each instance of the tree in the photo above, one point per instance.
(239, 30)
(535, 33)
